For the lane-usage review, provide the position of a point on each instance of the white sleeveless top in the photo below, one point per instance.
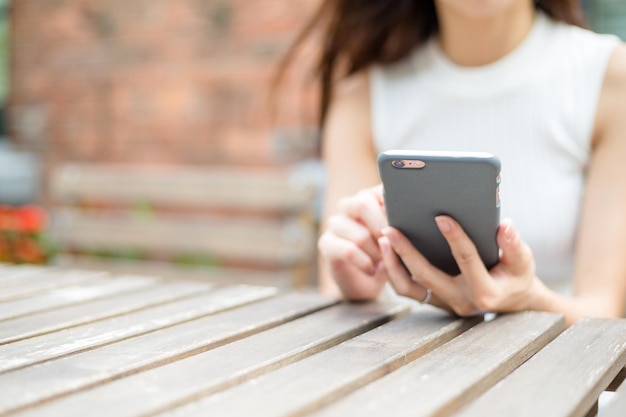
(534, 108)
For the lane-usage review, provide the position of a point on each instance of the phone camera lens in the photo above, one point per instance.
(397, 163)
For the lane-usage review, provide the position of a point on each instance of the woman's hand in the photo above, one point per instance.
(349, 245)
(509, 286)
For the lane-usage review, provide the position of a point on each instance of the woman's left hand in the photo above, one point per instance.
(509, 286)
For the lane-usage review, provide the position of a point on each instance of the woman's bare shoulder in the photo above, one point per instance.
(350, 103)
(616, 69)
(610, 117)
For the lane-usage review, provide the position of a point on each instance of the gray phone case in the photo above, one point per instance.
(464, 185)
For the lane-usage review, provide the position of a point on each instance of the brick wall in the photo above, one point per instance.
(174, 81)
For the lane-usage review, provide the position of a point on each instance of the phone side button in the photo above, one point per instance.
(498, 196)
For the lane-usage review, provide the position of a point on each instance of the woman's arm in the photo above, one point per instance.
(347, 246)
(600, 271)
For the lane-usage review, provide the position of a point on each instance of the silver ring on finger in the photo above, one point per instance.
(429, 295)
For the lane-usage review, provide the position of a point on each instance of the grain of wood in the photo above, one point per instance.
(94, 310)
(39, 349)
(11, 273)
(439, 383)
(62, 376)
(74, 294)
(223, 367)
(42, 282)
(335, 372)
(597, 347)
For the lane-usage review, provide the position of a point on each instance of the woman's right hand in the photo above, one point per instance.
(349, 245)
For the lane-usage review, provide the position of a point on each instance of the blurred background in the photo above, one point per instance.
(145, 81)
(169, 82)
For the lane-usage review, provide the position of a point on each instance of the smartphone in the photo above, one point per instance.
(420, 185)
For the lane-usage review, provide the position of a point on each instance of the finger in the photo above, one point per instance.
(516, 255)
(399, 277)
(419, 268)
(358, 286)
(336, 252)
(348, 229)
(367, 208)
(463, 249)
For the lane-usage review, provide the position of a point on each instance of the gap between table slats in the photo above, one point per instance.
(225, 366)
(617, 406)
(597, 347)
(322, 378)
(440, 382)
(74, 315)
(76, 339)
(63, 376)
(97, 287)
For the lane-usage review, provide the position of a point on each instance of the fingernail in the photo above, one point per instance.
(443, 224)
(383, 243)
(509, 231)
(388, 233)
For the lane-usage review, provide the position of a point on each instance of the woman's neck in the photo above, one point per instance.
(471, 38)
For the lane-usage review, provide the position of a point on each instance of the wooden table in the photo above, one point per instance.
(79, 343)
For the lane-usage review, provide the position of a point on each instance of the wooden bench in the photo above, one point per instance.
(232, 224)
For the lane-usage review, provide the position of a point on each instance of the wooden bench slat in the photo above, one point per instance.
(39, 349)
(74, 315)
(87, 369)
(337, 371)
(443, 380)
(596, 346)
(218, 187)
(284, 242)
(96, 288)
(225, 366)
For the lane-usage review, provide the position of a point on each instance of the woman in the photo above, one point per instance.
(515, 78)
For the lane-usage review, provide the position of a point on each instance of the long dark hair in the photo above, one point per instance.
(359, 33)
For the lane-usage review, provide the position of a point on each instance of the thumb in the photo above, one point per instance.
(515, 255)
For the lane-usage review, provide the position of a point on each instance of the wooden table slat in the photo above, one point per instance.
(25, 287)
(12, 274)
(618, 380)
(98, 309)
(75, 294)
(337, 371)
(225, 366)
(38, 349)
(440, 382)
(78, 343)
(596, 346)
(68, 374)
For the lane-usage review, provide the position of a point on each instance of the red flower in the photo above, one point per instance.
(31, 219)
(7, 219)
(22, 235)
